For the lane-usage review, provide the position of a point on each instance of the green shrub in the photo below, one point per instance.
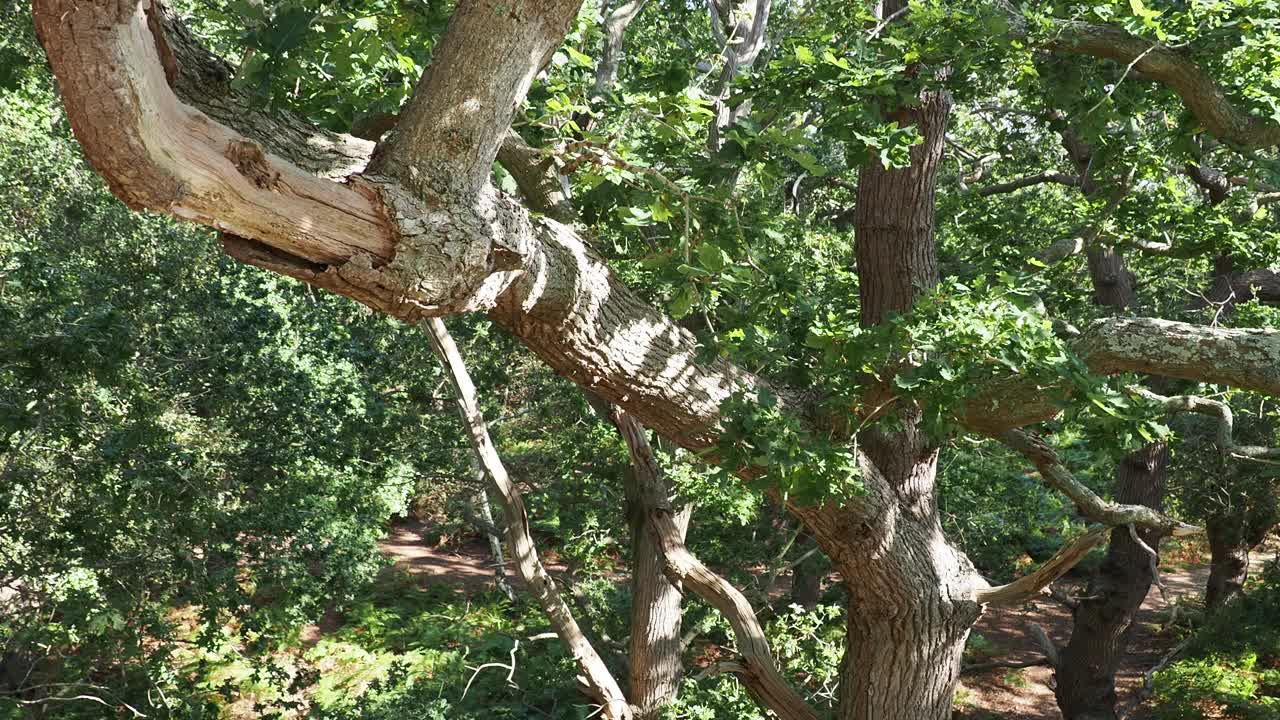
(1232, 668)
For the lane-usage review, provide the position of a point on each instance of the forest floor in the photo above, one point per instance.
(1027, 693)
(1001, 634)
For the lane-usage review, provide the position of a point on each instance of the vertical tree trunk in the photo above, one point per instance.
(806, 578)
(1103, 620)
(910, 606)
(655, 649)
(1100, 634)
(909, 590)
(1229, 567)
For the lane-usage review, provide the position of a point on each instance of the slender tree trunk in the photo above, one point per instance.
(1104, 619)
(806, 578)
(1229, 567)
(480, 505)
(594, 676)
(655, 649)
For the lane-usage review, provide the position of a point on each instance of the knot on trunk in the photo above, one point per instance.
(451, 255)
(252, 163)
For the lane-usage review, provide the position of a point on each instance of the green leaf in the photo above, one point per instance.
(805, 55)
(711, 257)
(578, 58)
(683, 302)
(287, 30)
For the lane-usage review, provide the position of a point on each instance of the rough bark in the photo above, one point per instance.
(893, 219)
(595, 677)
(910, 592)
(911, 598)
(449, 132)
(1229, 568)
(1104, 618)
(207, 155)
(1113, 284)
(655, 652)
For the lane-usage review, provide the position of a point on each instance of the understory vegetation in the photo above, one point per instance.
(202, 462)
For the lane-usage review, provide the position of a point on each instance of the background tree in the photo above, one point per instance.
(417, 228)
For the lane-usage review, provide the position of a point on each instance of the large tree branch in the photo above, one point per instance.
(449, 132)
(155, 117)
(115, 66)
(1246, 359)
(1199, 92)
(369, 238)
(1243, 286)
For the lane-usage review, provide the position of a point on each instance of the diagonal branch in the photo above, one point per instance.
(1057, 476)
(1201, 94)
(1247, 359)
(756, 668)
(1032, 584)
(370, 238)
(596, 677)
(158, 119)
(450, 130)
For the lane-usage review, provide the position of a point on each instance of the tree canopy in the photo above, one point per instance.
(814, 247)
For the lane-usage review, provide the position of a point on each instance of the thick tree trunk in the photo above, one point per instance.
(910, 596)
(1104, 618)
(1229, 567)
(655, 649)
(910, 591)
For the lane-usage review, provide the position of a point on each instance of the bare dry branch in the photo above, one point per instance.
(1032, 584)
